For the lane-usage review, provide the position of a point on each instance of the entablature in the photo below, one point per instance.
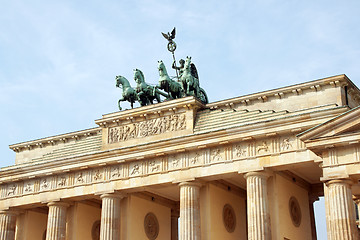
(257, 132)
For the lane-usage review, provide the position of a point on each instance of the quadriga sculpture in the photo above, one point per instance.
(173, 88)
(146, 93)
(128, 94)
(190, 82)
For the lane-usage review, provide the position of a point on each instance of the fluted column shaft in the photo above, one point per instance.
(257, 206)
(190, 211)
(56, 224)
(7, 225)
(110, 217)
(312, 199)
(341, 214)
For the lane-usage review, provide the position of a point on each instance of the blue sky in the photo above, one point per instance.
(58, 59)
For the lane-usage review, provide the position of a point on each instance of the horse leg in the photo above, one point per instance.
(119, 103)
(157, 97)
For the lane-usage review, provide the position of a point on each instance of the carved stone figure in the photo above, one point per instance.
(147, 128)
(128, 94)
(146, 93)
(11, 190)
(173, 88)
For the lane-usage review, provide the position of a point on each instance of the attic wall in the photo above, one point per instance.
(296, 100)
(69, 147)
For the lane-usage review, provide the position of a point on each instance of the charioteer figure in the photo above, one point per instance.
(180, 69)
(193, 69)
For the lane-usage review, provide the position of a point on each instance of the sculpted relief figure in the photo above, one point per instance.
(151, 127)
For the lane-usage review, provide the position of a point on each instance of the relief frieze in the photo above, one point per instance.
(154, 166)
(97, 175)
(29, 187)
(240, 151)
(263, 147)
(79, 178)
(45, 184)
(62, 181)
(115, 172)
(147, 128)
(136, 169)
(12, 190)
(157, 165)
(216, 155)
(286, 144)
(196, 158)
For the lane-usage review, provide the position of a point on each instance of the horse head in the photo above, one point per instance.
(187, 63)
(162, 68)
(118, 80)
(121, 81)
(138, 76)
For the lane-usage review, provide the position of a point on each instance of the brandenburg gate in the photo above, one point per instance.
(248, 167)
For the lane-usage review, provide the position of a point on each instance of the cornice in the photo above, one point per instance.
(334, 141)
(169, 146)
(112, 119)
(328, 126)
(53, 140)
(155, 110)
(315, 85)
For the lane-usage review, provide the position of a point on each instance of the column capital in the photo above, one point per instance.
(112, 195)
(58, 203)
(11, 212)
(190, 183)
(263, 174)
(345, 181)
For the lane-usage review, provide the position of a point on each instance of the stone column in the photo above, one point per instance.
(190, 211)
(56, 224)
(357, 202)
(174, 224)
(312, 199)
(257, 206)
(341, 213)
(7, 225)
(110, 216)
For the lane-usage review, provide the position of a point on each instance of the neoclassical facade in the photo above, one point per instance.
(249, 167)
